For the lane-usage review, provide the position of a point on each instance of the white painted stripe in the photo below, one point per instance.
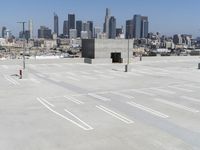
(123, 95)
(118, 75)
(44, 100)
(9, 79)
(72, 78)
(97, 71)
(142, 92)
(135, 74)
(144, 108)
(41, 75)
(64, 117)
(114, 114)
(143, 72)
(163, 91)
(74, 100)
(54, 79)
(180, 89)
(98, 97)
(84, 72)
(88, 77)
(192, 86)
(190, 98)
(88, 127)
(176, 105)
(104, 76)
(70, 73)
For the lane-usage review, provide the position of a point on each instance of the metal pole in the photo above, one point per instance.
(23, 35)
(128, 61)
(128, 52)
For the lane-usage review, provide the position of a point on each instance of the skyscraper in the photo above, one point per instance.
(144, 27)
(65, 28)
(129, 29)
(106, 23)
(137, 26)
(79, 27)
(30, 28)
(71, 21)
(112, 28)
(90, 33)
(44, 32)
(56, 24)
(4, 32)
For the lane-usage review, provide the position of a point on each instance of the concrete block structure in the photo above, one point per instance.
(106, 50)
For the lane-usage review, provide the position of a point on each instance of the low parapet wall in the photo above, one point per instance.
(41, 61)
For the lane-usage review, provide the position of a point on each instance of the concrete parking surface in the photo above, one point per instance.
(77, 106)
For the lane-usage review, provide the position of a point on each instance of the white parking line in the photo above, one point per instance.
(190, 98)
(144, 108)
(143, 72)
(163, 91)
(72, 78)
(180, 89)
(41, 75)
(142, 92)
(11, 80)
(73, 100)
(54, 79)
(176, 105)
(44, 100)
(135, 74)
(64, 117)
(84, 72)
(123, 95)
(98, 97)
(104, 76)
(88, 77)
(114, 114)
(97, 71)
(192, 86)
(88, 127)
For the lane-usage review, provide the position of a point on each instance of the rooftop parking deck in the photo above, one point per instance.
(75, 106)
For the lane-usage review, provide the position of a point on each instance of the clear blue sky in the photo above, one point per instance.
(165, 16)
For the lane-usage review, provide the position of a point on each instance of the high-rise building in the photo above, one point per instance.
(177, 39)
(112, 28)
(44, 32)
(72, 33)
(4, 32)
(56, 24)
(26, 34)
(84, 35)
(71, 22)
(65, 28)
(30, 28)
(106, 23)
(129, 29)
(90, 24)
(144, 27)
(137, 26)
(79, 27)
(97, 32)
(119, 31)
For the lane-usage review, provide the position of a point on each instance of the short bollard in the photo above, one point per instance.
(20, 74)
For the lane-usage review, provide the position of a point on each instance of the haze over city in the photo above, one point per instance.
(167, 17)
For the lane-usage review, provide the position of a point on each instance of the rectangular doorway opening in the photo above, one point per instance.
(116, 58)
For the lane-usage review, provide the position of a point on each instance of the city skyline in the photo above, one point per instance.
(164, 17)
